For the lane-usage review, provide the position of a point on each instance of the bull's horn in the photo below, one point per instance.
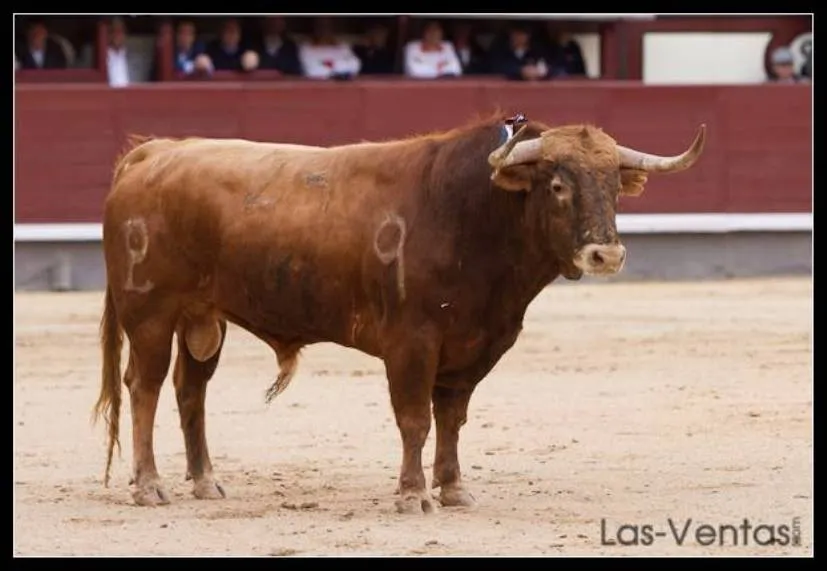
(516, 151)
(631, 158)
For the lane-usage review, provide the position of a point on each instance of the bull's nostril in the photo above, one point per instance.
(597, 258)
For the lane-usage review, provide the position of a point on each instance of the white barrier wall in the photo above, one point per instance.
(590, 46)
(691, 57)
(704, 57)
(692, 223)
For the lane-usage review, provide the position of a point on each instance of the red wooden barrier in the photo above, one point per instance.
(72, 75)
(758, 156)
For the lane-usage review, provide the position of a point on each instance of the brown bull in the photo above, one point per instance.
(423, 252)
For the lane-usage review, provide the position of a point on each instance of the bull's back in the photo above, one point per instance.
(192, 191)
(289, 225)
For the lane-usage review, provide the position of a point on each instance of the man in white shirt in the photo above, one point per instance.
(117, 67)
(124, 67)
(431, 56)
(325, 57)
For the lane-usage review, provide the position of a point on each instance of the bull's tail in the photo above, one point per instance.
(109, 401)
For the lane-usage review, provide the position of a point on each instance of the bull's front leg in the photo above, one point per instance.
(450, 413)
(452, 393)
(411, 367)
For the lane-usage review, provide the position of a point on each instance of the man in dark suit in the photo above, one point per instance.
(517, 57)
(190, 58)
(377, 57)
(562, 53)
(276, 50)
(39, 51)
(227, 50)
(472, 56)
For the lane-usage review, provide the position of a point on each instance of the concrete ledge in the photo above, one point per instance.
(626, 224)
(78, 265)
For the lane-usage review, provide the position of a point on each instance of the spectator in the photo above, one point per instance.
(807, 69)
(228, 53)
(517, 59)
(123, 65)
(191, 59)
(376, 55)
(472, 56)
(431, 56)
(276, 50)
(562, 53)
(39, 51)
(325, 57)
(782, 67)
(807, 66)
(67, 47)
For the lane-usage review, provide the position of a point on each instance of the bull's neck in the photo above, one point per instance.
(530, 263)
(502, 233)
(508, 237)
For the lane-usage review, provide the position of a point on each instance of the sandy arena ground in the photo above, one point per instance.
(625, 403)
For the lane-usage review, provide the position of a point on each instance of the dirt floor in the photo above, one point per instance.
(624, 404)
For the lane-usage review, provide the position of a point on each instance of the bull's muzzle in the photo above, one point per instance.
(600, 259)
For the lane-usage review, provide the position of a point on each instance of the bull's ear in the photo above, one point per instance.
(632, 181)
(514, 178)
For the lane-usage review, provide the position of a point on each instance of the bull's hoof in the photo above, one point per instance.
(150, 494)
(208, 489)
(416, 502)
(456, 495)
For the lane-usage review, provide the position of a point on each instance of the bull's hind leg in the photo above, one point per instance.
(450, 410)
(199, 349)
(150, 355)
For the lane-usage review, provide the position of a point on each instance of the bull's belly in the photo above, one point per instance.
(289, 302)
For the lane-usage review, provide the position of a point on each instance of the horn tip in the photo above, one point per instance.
(700, 138)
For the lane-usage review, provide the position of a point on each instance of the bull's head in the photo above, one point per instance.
(576, 175)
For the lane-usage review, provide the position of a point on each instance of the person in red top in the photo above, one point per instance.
(431, 56)
(325, 56)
